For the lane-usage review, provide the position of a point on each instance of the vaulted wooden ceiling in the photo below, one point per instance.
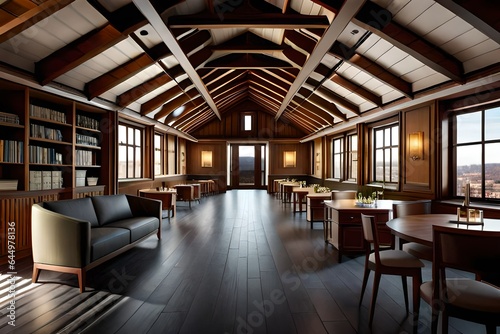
(314, 63)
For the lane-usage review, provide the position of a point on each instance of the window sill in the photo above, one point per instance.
(473, 205)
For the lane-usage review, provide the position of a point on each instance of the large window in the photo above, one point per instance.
(345, 158)
(386, 153)
(158, 147)
(338, 158)
(129, 151)
(476, 147)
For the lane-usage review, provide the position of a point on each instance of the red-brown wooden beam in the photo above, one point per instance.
(116, 76)
(300, 40)
(76, 53)
(247, 43)
(176, 102)
(378, 20)
(141, 90)
(247, 60)
(207, 20)
(157, 101)
(29, 18)
(361, 62)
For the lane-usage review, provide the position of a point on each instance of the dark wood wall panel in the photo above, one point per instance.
(17, 210)
(229, 127)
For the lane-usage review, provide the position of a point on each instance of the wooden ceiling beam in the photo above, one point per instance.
(188, 108)
(31, 17)
(300, 40)
(341, 81)
(378, 20)
(376, 71)
(177, 102)
(157, 101)
(207, 20)
(141, 90)
(330, 96)
(169, 39)
(338, 25)
(116, 76)
(481, 14)
(247, 43)
(283, 86)
(247, 60)
(76, 53)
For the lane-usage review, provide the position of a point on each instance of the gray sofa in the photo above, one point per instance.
(74, 236)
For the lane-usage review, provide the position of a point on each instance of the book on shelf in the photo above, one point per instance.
(8, 184)
(86, 140)
(11, 151)
(35, 180)
(9, 118)
(47, 113)
(44, 155)
(44, 180)
(87, 122)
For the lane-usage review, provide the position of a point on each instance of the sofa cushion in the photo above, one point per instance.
(111, 208)
(104, 240)
(80, 208)
(138, 226)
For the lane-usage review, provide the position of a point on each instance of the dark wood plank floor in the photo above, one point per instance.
(239, 262)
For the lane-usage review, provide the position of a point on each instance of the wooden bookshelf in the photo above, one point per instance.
(49, 130)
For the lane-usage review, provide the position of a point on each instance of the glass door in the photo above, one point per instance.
(248, 166)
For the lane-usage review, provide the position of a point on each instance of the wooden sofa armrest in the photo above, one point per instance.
(58, 239)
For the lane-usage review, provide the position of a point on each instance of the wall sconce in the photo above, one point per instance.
(416, 145)
(289, 159)
(206, 158)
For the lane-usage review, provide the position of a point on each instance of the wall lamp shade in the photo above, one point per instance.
(416, 145)
(289, 159)
(206, 158)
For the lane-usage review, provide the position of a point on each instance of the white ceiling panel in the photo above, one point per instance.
(411, 11)
(478, 62)
(429, 81)
(463, 42)
(448, 31)
(393, 56)
(433, 17)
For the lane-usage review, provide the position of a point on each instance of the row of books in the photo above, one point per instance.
(9, 118)
(84, 158)
(86, 140)
(41, 131)
(44, 155)
(47, 113)
(11, 151)
(8, 184)
(47, 179)
(87, 122)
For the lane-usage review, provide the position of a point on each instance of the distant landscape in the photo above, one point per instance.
(472, 174)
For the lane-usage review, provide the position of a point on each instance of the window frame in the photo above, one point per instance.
(134, 146)
(345, 155)
(482, 142)
(382, 126)
(161, 149)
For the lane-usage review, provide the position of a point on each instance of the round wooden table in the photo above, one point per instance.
(418, 228)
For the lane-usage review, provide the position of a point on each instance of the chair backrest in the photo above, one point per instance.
(343, 194)
(411, 208)
(184, 192)
(164, 197)
(370, 235)
(469, 250)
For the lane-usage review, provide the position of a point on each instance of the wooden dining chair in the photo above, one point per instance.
(388, 262)
(413, 208)
(166, 201)
(473, 251)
